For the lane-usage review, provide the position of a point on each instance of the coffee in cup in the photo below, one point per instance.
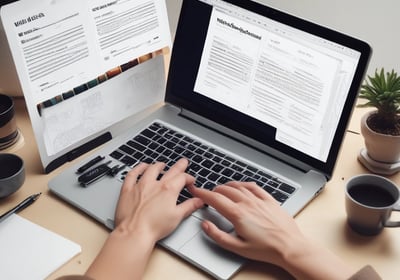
(370, 200)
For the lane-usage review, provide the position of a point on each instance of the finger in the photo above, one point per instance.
(178, 182)
(153, 171)
(126, 198)
(220, 202)
(235, 194)
(189, 206)
(223, 239)
(252, 187)
(133, 175)
(178, 168)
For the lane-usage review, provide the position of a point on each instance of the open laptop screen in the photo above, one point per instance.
(280, 80)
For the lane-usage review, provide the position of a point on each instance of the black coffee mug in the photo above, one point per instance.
(370, 200)
(8, 127)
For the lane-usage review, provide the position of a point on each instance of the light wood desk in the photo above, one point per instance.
(323, 220)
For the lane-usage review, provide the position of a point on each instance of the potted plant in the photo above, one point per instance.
(381, 127)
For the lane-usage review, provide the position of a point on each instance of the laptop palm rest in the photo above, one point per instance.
(190, 242)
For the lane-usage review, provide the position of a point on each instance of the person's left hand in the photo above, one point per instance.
(149, 205)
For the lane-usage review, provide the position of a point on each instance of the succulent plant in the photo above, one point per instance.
(382, 91)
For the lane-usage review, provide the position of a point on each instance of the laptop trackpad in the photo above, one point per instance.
(209, 213)
(212, 258)
(185, 231)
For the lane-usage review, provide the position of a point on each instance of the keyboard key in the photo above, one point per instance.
(197, 159)
(269, 189)
(209, 186)
(200, 181)
(188, 154)
(195, 167)
(273, 183)
(148, 133)
(213, 177)
(138, 156)
(142, 140)
(223, 180)
(167, 153)
(200, 151)
(186, 193)
(136, 146)
(127, 149)
(207, 163)
(287, 188)
(225, 163)
(128, 160)
(279, 196)
(116, 155)
(160, 149)
(191, 147)
(204, 172)
(216, 152)
(242, 164)
(217, 168)
(227, 172)
(170, 145)
(162, 158)
(237, 176)
(253, 169)
(217, 159)
(237, 168)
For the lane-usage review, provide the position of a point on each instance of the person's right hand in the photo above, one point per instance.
(264, 230)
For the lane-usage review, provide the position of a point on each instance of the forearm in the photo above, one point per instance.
(123, 256)
(310, 261)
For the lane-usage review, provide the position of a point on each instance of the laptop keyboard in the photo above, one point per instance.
(208, 165)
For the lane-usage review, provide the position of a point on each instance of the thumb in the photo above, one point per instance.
(222, 238)
(189, 206)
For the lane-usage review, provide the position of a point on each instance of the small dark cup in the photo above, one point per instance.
(8, 127)
(12, 174)
(370, 200)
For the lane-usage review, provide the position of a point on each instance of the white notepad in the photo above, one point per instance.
(29, 251)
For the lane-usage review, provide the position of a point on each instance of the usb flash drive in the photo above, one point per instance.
(89, 164)
(94, 174)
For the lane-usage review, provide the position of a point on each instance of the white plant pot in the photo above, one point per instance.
(380, 147)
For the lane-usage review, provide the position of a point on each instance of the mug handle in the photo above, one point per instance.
(388, 223)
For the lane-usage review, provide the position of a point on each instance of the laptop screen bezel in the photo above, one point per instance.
(185, 60)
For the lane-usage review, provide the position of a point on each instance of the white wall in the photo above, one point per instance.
(377, 22)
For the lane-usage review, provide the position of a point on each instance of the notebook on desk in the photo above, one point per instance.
(253, 94)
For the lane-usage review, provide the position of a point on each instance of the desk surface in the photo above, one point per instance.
(323, 220)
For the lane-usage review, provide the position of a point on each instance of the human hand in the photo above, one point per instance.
(264, 230)
(149, 205)
(146, 212)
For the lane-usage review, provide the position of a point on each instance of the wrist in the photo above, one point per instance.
(132, 249)
(307, 260)
(136, 236)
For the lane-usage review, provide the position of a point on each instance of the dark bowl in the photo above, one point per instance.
(12, 174)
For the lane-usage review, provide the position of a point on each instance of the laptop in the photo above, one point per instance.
(253, 94)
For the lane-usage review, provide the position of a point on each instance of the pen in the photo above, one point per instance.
(25, 203)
